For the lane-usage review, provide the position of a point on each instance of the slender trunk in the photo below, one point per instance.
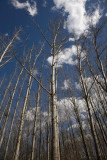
(103, 100)
(6, 91)
(9, 45)
(35, 123)
(81, 129)
(1, 81)
(93, 129)
(48, 135)
(55, 135)
(104, 135)
(40, 145)
(101, 68)
(73, 137)
(7, 145)
(4, 111)
(26, 99)
(87, 99)
(89, 107)
(1, 140)
(22, 119)
(72, 140)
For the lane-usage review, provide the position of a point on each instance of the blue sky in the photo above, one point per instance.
(79, 15)
(12, 17)
(14, 13)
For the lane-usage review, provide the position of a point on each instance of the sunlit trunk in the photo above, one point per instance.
(55, 135)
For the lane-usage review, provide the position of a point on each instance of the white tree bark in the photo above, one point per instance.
(22, 120)
(10, 43)
(89, 107)
(7, 145)
(35, 123)
(55, 134)
(48, 129)
(6, 91)
(11, 100)
(81, 128)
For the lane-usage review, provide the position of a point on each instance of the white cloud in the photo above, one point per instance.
(66, 107)
(95, 17)
(78, 20)
(68, 56)
(6, 34)
(30, 114)
(87, 80)
(53, 8)
(71, 39)
(90, 82)
(95, 91)
(66, 85)
(84, 125)
(65, 57)
(77, 86)
(30, 7)
(41, 115)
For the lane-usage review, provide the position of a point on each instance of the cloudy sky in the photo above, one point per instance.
(79, 13)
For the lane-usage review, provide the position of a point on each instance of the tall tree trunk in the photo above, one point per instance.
(55, 135)
(35, 123)
(48, 131)
(7, 145)
(7, 89)
(9, 108)
(88, 104)
(40, 138)
(81, 128)
(22, 119)
(1, 82)
(87, 99)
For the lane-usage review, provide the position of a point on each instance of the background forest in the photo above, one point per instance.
(53, 81)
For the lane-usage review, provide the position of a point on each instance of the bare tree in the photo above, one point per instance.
(9, 44)
(10, 132)
(35, 122)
